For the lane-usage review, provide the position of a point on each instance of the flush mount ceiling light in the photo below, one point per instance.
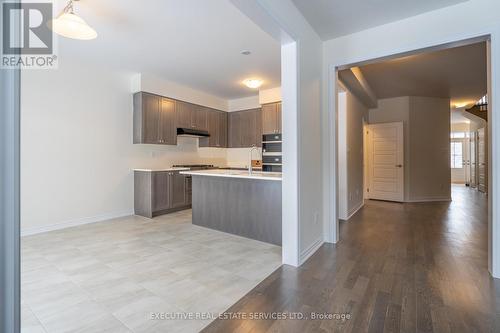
(461, 105)
(253, 83)
(69, 25)
(246, 52)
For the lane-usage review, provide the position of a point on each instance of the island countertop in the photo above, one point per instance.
(161, 169)
(259, 175)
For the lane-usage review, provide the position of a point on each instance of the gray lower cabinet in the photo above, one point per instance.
(245, 128)
(154, 119)
(271, 118)
(160, 192)
(177, 186)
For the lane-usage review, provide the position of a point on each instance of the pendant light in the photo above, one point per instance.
(69, 25)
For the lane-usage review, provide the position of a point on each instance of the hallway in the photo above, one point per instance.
(398, 268)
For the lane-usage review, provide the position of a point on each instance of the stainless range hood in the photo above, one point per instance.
(192, 133)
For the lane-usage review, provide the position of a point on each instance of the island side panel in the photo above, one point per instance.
(245, 207)
(142, 194)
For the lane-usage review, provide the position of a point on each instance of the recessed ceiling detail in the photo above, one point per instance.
(335, 18)
(458, 73)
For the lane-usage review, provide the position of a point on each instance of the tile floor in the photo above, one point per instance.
(112, 276)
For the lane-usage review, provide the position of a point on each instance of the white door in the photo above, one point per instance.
(459, 161)
(386, 156)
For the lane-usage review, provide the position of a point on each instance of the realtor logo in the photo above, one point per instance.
(27, 40)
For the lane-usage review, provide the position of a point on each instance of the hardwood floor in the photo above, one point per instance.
(398, 268)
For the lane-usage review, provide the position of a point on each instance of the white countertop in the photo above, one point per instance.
(276, 176)
(162, 169)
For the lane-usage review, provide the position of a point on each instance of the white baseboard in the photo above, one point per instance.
(429, 199)
(352, 212)
(310, 250)
(355, 210)
(75, 222)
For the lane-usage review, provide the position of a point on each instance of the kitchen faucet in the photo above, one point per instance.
(254, 147)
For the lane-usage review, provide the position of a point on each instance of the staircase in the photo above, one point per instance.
(479, 110)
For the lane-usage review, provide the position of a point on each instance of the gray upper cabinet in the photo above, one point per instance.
(146, 118)
(191, 116)
(234, 125)
(271, 118)
(217, 128)
(184, 114)
(168, 132)
(200, 117)
(279, 125)
(154, 119)
(245, 128)
(223, 129)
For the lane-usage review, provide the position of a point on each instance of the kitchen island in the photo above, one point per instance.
(237, 202)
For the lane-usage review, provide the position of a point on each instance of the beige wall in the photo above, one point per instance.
(395, 110)
(430, 174)
(356, 114)
(426, 123)
(352, 113)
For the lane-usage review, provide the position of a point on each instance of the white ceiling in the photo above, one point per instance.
(458, 73)
(335, 18)
(191, 42)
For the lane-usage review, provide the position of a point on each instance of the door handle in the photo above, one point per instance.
(399, 165)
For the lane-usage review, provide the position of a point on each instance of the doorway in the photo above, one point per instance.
(428, 136)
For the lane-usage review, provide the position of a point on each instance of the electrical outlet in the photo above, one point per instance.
(316, 218)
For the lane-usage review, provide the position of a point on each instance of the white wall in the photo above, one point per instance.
(301, 97)
(245, 103)
(305, 130)
(77, 151)
(342, 155)
(155, 85)
(426, 127)
(270, 95)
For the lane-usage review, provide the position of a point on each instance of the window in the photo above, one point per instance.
(456, 155)
(458, 135)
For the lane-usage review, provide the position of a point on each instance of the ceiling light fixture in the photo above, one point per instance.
(69, 25)
(246, 52)
(253, 83)
(461, 105)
